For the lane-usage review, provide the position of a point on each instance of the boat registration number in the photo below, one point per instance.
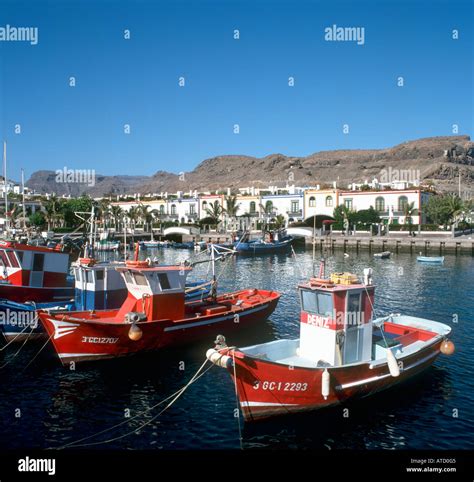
(280, 386)
(98, 339)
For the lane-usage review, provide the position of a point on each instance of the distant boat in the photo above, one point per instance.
(430, 259)
(261, 246)
(383, 255)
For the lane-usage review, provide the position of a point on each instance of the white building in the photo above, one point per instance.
(390, 205)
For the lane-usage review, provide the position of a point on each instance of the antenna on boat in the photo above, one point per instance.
(23, 197)
(314, 242)
(5, 183)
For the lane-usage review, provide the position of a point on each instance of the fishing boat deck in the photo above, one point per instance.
(403, 335)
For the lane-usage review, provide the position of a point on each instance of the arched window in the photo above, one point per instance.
(162, 209)
(173, 209)
(402, 203)
(253, 207)
(312, 202)
(269, 206)
(329, 201)
(380, 204)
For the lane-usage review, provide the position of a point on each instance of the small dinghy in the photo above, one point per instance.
(430, 259)
(383, 255)
(341, 354)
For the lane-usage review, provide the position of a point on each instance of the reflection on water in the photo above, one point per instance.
(58, 405)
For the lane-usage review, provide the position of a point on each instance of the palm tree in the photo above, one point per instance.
(231, 208)
(133, 215)
(116, 212)
(51, 210)
(455, 206)
(279, 222)
(145, 215)
(214, 212)
(267, 211)
(409, 210)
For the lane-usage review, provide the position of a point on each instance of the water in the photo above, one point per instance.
(58, 406)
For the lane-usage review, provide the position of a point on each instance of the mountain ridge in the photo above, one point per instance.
(438, 159)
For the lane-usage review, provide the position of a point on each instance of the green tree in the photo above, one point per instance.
(444, 209)
(214, 212)
(37, 219)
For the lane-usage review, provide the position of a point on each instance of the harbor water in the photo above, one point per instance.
(45, 405)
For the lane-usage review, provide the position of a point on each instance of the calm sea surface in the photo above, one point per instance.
(58, 406)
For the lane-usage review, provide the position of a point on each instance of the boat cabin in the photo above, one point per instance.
(34, 266)
(98, 286)
(154, 292)
(336, 320)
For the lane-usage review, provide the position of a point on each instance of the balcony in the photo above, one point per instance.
(295, 214)
(192, 215)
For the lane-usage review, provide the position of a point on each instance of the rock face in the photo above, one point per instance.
(438, 159)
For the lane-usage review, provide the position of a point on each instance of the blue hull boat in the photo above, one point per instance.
(430, 259)
(263, 247)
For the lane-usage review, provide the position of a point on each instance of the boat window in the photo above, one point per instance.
(3, 258)
(140, 279)
(77, 274)
(90, 276)
(13, 260)
(99, 274)
(128, 277)
(325, 304)
(353, 309)
(319, 303)
(164, 281)
(20, 256)
(38, 262)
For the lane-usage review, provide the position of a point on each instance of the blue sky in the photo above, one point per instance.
(228, 81)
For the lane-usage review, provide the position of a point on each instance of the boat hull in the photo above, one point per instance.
(268, 389)
(22, 294)
(78, 340)
(263, 248)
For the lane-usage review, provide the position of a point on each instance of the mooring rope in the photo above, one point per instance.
(174, 396)
(15, 337)
(39, 351)
(19, 350)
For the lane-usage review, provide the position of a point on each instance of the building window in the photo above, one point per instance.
(192, 208)
(253, 207)
(295, 206)
(268, 206)
(348, 203)
(312, 202)
(173, 209)
(329, 201)
(380, 204)
(162, 209)
(402, 203)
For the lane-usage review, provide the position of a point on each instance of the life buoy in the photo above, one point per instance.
(320, 281)
(87, 261)
(137, 264)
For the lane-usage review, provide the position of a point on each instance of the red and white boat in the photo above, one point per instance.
(154, 315)
(342, 353)
(33, 273)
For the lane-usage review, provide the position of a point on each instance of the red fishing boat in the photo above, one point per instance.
(33, 273)
(342, 353)
(154, 315)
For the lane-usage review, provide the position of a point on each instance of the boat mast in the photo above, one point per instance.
(23, 196)
(5, 183)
